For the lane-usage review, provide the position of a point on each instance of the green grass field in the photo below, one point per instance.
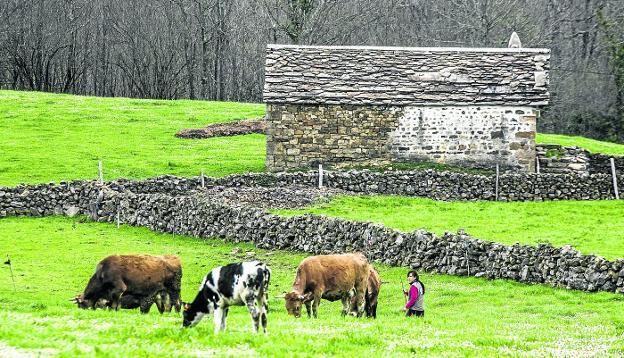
(54, 257)
(594, 146)
(593, 227)
(53, 137)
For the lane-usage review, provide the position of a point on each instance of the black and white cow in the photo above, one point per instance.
(239, 284)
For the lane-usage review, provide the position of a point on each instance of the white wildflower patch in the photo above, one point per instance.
(239, 351)
(8, 351)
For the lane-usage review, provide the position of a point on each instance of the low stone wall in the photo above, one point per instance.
(422, 183)
(601, 163)
(453, 254)
(557, 159)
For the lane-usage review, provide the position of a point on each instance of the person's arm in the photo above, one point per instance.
(413, 295)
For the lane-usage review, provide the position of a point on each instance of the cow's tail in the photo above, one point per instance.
(265, 286)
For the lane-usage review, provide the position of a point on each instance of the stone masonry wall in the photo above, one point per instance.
(453, 254)
(302, 136)
(478, 136)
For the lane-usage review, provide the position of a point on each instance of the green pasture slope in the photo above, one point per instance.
(54, 257)
(52, 137)
(592, 227)
(594, 146)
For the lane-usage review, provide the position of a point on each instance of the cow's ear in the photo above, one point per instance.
(306, 297)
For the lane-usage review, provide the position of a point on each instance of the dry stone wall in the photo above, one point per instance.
(554, 158)
(430, 184)
(453, 254)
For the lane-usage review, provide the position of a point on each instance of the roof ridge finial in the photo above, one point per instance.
(514, 41)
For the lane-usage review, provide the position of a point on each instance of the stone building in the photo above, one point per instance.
(374, 105)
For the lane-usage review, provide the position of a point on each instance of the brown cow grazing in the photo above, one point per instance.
(372, 292)
(140, 278)
(332, 277)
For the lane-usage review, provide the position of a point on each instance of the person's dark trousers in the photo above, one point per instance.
(411, 313)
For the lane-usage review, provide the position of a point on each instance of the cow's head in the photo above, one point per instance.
(205, 303)
(82, 302)
(294, 301)
(193, 313)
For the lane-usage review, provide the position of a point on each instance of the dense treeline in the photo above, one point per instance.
(214, 49)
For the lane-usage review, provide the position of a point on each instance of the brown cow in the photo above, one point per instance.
(372, 292)
(332, 277)
(142, 278)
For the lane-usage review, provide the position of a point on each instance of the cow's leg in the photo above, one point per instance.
(315, 303)
(308, 306)
(145, 304)
(218, 316)
(167, 299)
(163, 302)
(360, 293)
(174, 292)
(119, 287)
(224, 318)
(346, 305)
(174, 299)
(264, 307)
(252, 306)
(160, 302)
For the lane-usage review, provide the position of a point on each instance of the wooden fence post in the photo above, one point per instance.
(497, 173)
(203, 184)
(100, 173)
(320, 171)
(537, 165)
(615, 183)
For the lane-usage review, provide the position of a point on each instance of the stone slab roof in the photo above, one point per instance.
(406, 76)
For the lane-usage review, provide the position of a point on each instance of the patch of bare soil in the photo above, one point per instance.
(257, 125)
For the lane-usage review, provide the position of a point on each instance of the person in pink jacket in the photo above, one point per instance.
(415, 305)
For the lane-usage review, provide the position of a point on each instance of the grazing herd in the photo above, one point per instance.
(138, 281)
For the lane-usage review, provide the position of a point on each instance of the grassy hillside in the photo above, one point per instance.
(594, 146)
(52, 137)
(54, 257)
(593, 227)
